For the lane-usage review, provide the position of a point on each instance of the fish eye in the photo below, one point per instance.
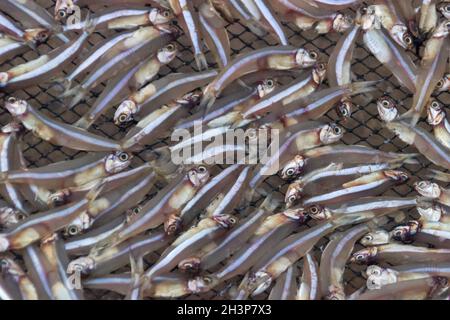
(166, 14)
(201, 169)
(435, 104)
(232, 220)
(21, 216)
(123, 117)
(322, 66)
(4, 263)
(123, 156)
(136, 210)
(62, 13)
(314, 210)
(360, 257)
(292, 198)
(270, 83)
(12, 100)
(337, 130)
(447, 8)
(290, 172)
(440, 84)
(207, 280)
(313, 54)
(385, 103)
(170, 47)
(398, 233)
(368, 237)
(73, 230)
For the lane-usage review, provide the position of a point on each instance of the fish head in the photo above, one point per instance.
(373, 270)
(293, 168)
(344, 108)
(117, 162)
(387, 108)
(166, 54)
(190, 99)
(402, 36)
(16, 107)
(82, 264)
(258, 283)
(444, 83)
(430, 211)
(266, 87)
(335, 293)
(37, 35)
(159, 16)
(168, 29)
(342, 22)
(378, 280)
(318, 212)
(63, 9)
(435, 113)
(442, 30)
(397, 176)
(298, 214)
(367, 18)
(4, 243)
(11, 127)
(202, 283)
(331, 133)
(226, 221)
(428, 189)
(191, 265)
(375, 238)
(293, 194)
(77, 226)
(5, 264)
(444, 8)
(132, 213)
(59, 197)
(125, 112)
(10, 217)
(306, 58)
(364, 256)
(172, 224)
(319, 72)
(406, 233)
(198, 176)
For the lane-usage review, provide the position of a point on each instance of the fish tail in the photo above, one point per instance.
(63, 84)
(437, 175)
(90, 24)
(161, 161)
(200, 61)
(80, 94)
(364, 86)
(208, 100)
(95, 191)
(410, 158)
(82, 123)
(411, 116)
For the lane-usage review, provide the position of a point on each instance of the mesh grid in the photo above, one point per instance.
(363, 127)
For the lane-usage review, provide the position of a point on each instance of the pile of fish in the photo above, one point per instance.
(164, 230)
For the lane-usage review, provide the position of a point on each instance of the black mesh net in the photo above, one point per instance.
(364, 126)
